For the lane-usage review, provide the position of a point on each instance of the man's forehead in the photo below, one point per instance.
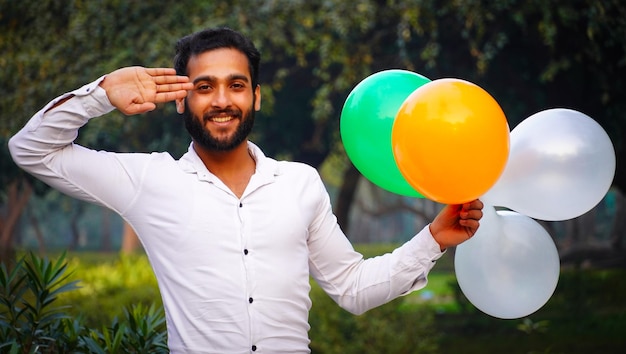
(219, 63)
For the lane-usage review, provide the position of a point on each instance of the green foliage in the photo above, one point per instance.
(530, 55)
(529, 326)
(527, 53)
(396, 327)
(28, 315)
(105, 285)
(587, 305)
(142, 330)
(32, 321)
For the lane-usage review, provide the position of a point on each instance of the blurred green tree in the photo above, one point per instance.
(530, 55)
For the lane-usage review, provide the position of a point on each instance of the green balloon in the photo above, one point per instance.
(366, 123)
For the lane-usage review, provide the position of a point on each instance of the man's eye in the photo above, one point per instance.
(203, 87)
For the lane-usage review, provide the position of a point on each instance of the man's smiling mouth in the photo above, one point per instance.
(222, 119)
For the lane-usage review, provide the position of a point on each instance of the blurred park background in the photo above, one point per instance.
(529, 55)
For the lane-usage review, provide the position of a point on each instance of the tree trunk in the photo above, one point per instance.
(130, 241)
(18, 194)
(346, 196)
(38, 233)
(106, 231)
(78, 208)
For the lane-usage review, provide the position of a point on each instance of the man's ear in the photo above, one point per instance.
(257, 101)
(180, 105)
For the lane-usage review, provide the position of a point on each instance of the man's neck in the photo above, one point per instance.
(233, 167)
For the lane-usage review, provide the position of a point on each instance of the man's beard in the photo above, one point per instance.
(202, 136)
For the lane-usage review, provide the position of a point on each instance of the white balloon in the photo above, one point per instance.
(510, 267)
(561, 164)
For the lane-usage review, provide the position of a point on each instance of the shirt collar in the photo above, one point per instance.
(266, 168)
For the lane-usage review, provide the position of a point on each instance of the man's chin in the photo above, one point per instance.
(218, 145)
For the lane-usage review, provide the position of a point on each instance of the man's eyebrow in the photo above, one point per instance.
(211, 78)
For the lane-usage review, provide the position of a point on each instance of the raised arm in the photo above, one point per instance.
(45, 146)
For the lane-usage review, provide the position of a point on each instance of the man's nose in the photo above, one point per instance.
(221, 98)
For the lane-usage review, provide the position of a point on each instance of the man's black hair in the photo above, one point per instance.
(215, 38)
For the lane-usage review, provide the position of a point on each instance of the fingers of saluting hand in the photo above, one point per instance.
(163, 76)
(169, 86)
(170, 93)
(161, 72)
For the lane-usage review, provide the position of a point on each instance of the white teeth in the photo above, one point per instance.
(222, 119)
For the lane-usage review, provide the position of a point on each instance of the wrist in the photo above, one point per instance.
(434, 231)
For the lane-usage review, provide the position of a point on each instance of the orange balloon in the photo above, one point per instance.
(450, 140)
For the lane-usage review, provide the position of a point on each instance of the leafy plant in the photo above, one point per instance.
(109, 283)
(529, 326)
(31, 321)
(142, 330)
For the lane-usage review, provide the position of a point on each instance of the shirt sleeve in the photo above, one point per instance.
(359, 284)
(45, 148)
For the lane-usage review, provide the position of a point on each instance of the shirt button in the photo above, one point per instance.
(250, 300)
(254, 348)
(245, 251)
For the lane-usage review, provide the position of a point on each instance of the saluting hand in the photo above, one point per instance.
(135, 90)
(456, 223)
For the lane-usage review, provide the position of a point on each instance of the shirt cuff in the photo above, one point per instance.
(421, 250)
(425, 241)
(95, 100)
(418, 256)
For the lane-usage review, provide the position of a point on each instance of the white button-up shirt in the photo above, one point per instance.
(233, 272)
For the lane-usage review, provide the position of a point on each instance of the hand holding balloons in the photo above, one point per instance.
(456, 223)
